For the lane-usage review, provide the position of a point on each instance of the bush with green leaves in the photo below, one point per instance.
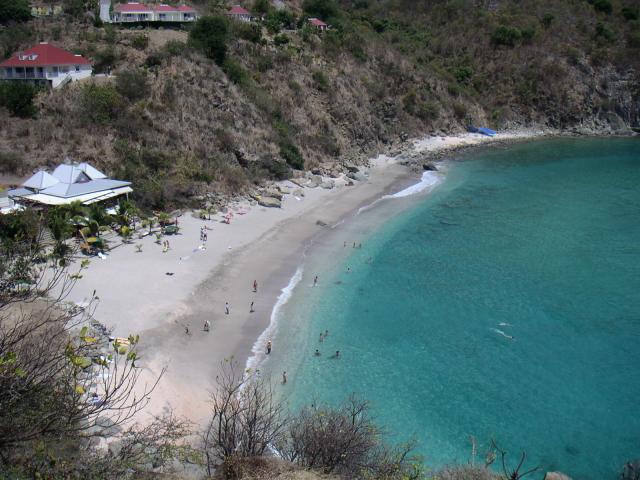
(140, 42)
(247, 31)
(321, 81)
(17, 97)
(276, 20)
(210, 35)
(323, 9)
(603, 6)
(630, 13)
(280, 39)
(508, 36)
(174, 48)
(104, 60)
(291, 155)
(235, 71)
(14, 11)
(132, 85)
(101, 103)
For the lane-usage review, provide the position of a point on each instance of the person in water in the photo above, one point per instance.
(321, 337)
(317, 354)
(315, 281)
(337, 355)
(284, 377)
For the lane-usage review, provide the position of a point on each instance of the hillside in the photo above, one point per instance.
(178, 124)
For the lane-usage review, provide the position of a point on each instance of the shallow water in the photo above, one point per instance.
(504, 305)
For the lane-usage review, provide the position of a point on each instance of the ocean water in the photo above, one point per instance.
(503, 305)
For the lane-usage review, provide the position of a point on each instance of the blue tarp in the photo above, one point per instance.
(487, 131)
(472, 128)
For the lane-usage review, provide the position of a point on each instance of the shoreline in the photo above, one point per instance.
(267, 245)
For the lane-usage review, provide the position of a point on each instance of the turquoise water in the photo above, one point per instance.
(544, 237)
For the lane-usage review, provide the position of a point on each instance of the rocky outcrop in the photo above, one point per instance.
(429, 167)
(631, 471)
(270, 202)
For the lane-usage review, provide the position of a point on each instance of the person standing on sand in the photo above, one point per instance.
(315, 281)
(226, 308)
(268, 347)
(255, 286)
(345, 244)
(284, 377)
(186, 330)
(251, 310)
(354, 244)
(206, 325)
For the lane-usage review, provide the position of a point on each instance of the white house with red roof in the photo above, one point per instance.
(238, 13)
(141, 12)
(319, 24)
(45, 63)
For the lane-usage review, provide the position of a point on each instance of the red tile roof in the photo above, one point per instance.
(238, 10)
(317, 22)
(186, 8)
(165, 8)
(44, 55)
(132, 7)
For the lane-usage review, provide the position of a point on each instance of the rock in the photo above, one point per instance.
(429, 166)
(270, 202)
(351, 168)
(298, 192)
(301, 182)
(321, 223)
(358, 176)
(328, 185)
(272, 192)
(631, 471)
(334, 173)
(284, 190)
(556, 476)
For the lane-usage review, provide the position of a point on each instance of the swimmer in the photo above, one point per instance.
(337, 355)
(321, 337)
(284, 377)
(315, 281)
(317, 354)
(326, 333)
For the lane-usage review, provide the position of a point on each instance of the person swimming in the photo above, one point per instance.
(317, 353)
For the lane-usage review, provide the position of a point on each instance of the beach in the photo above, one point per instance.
(160, 295)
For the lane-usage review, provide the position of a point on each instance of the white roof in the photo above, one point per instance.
(91, 172)
(41, 180)
(85, 199)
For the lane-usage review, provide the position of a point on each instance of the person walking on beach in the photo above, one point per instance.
(268, 347)
(284, 377)
(251, 310)
(186, 330)
(206, 325)
(315, 281)
(354, 244)
(204, 236)
(226, 308)
(345, 244)
(321, 337)
(255, 286)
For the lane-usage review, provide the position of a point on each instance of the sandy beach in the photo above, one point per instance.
(158, 295)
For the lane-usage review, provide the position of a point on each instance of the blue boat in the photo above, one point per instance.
(472, 129)
(487, 131)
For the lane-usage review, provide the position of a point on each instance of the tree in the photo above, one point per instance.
(261, 7)
(323, 9)
(132, 85)
(101, 103)
(209, 35)
(17, 97)
(62, 381)
(14, 11)
(345, 441)
(245, 419)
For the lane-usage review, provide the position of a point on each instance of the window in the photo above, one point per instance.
(163, 16)
(77, 68)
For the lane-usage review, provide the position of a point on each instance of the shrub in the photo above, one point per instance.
(462, 74)
(604, 32)
(633, 39)
(324, 9)
(281, 39)
(234, 71)
(153, 60)
(140, 42)
(104, 60)
(630, 13)
(132, 85)
(459, 110)
(507, 36)
(603, 6)
(101, 103)
(276, 20)
(260, 7)
(14, 11)
(17, 97)
(251, 32)
(209, 35)
(291, 155)
(175, 48)
(547, 20)
(320, 80)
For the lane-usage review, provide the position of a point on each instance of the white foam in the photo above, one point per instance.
(258, 350)
(429, 180)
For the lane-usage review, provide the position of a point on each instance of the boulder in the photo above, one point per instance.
(556, 476)
(301, 182)
(351, 168)
(429, 166)
(272, 192)
(298, 192)
(270, 202)
(631, 471)
(358, 176)
(284, 190)
(328, 185)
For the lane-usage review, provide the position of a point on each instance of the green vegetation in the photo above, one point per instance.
(101, 103)
(132, 84)
(210, 35)
(14, 11)
(17, 97)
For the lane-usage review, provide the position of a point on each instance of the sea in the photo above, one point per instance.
(497, 300)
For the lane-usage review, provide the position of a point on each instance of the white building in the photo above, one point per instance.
(45, 63)
(69, 183)
(140, 12)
